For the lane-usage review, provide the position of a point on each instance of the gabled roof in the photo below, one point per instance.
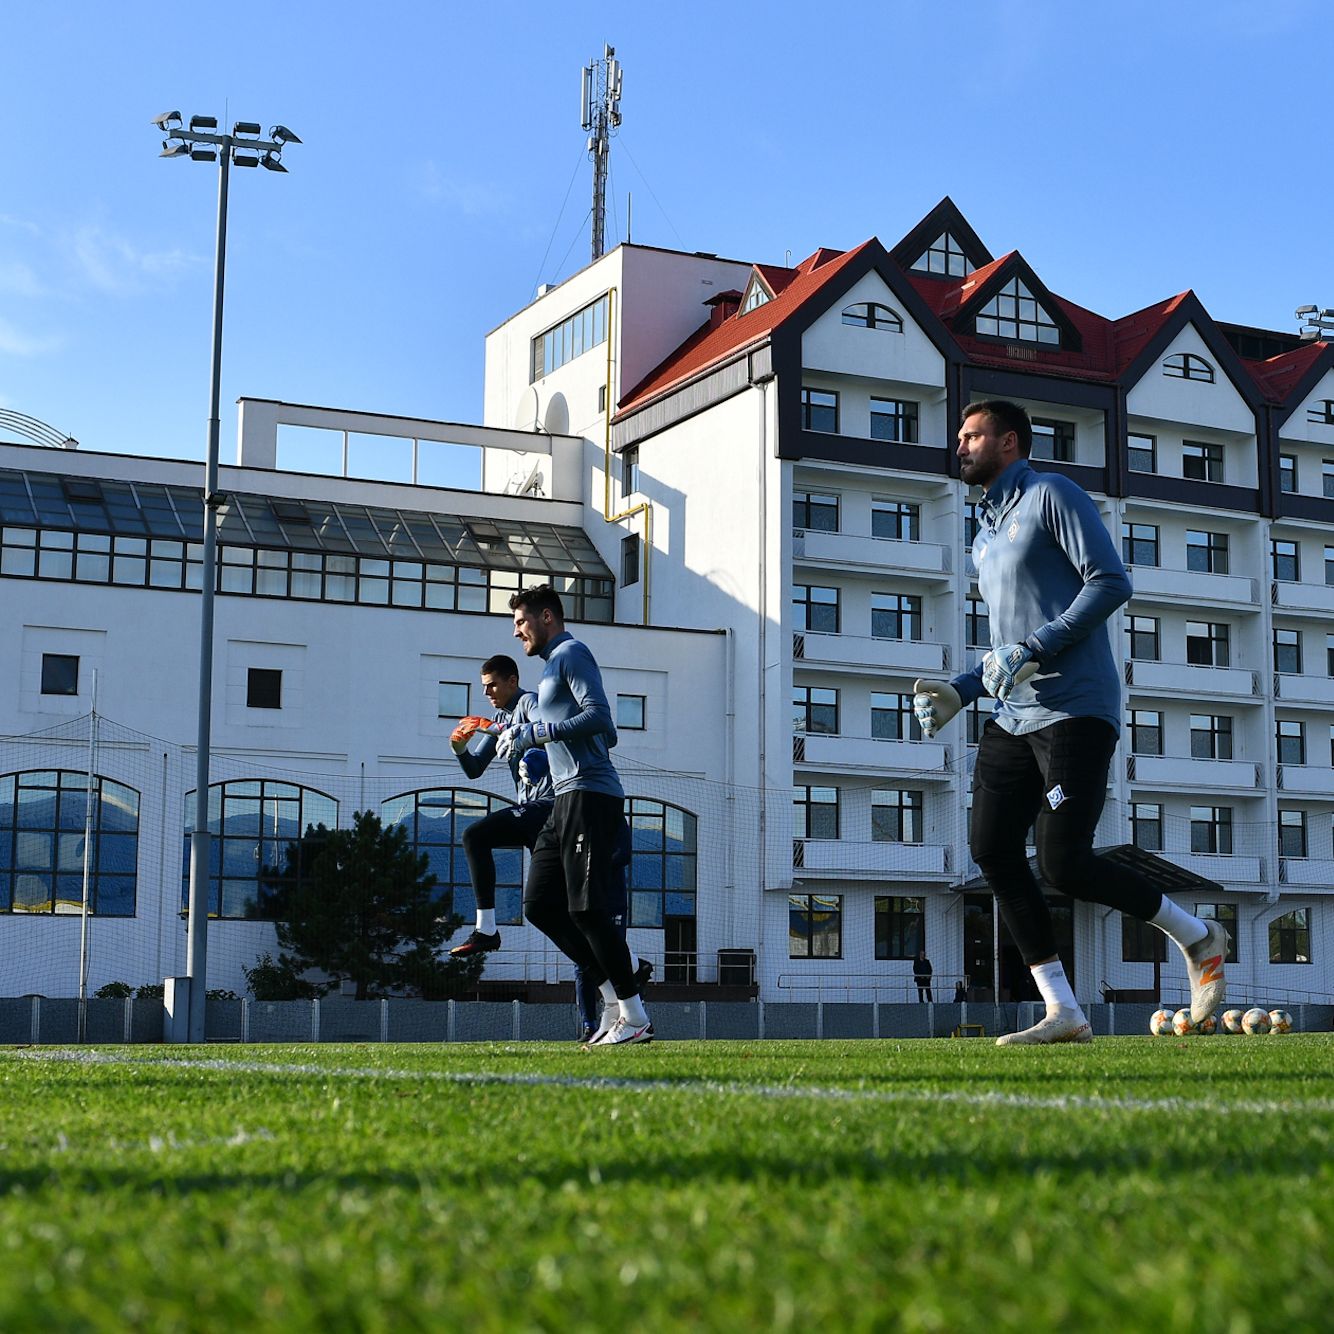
(945, 217)
(1291, 376)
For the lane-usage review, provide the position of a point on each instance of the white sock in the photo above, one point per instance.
(1179, 924)
(634, 962)
(633, 1012)
(486, 921)
(608, 994)
(1054, 986)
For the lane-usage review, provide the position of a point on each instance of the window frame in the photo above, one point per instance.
(810, 408)
(1188, 366)
(803, 907)
(55, 679)
(899, 929)
(1288, 932)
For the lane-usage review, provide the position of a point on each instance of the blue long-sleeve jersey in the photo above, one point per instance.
(573, 704)
(1050, 576)
(482, 750)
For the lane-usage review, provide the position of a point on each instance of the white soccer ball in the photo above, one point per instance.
(1208, 1026)
(1255, 1021)
(1232, 1021)
(1280, 1021)
(1160, 1023)
(1183, 1025)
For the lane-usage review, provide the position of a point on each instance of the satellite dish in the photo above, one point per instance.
(556, 419)
(529, 415)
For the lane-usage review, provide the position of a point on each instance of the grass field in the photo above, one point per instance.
(1136, 1183)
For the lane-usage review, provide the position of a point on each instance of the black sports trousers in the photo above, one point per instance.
(1055, 781)
(510, 827)
(574, 888)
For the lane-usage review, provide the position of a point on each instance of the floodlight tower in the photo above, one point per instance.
(245, 147)
(600, 102)
(1316, 323)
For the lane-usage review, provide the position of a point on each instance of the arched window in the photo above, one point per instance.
(1187, 366)
(872, 315)
(664, 853)
(43, 815)
(1321, 413)
(436, 819)
(252, 822)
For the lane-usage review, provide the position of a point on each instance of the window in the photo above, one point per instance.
(1329, 567)
(43, 815)
(1329, 654)
(1141, 942)
(972, 523)
(1327, 478)
(892, 718)
(631, 713)
(1288, 652)
(664, 861)
(1211, 830)
(755, 296)
(602, 399)
(1014, 313)
(572, 337)
(1142, 632)
(629, 560)
(436, 820)
(254, 823)
(977, 624)
(1321, 413)
(1142, 453)
(60, 674)
(1292, 833)
(816, 811)
(815, 609)
(1287, 473)
(872, 315)
(1187, 366)
(944, 255)
(1201, 462)
(1146, 732)
(1227, 914)
(896, 816)
(629, 470)
(452, 699)
(815, 709)
(897, 519)
(1291, 741)
(894, 419)
(1290, 937)
(900, 927)
(1146, 825)
(977, 720)
(896, 616)
(1207, 644)
(811, 510)
(1053, 440)
(1210, 736)
(819, 410)
(815, 926)
(1206, 553)
(1139, 543)
(1285, 558)
(264, 688)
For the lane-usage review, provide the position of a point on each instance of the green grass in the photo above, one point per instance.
(1134, 1184)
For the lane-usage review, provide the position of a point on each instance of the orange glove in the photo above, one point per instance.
(462, 734)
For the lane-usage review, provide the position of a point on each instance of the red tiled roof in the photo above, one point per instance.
(1133, 333)
(1279, 375)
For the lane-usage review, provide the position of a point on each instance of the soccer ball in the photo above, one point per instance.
(1232, 1021)
(1255, 1021)
(1160, 1023)
(1210, 1025)
(1183, 1025)
(1280, 1021)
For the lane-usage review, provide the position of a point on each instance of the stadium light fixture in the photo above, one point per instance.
(202, 143)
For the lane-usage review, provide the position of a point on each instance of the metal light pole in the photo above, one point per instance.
(244, 146)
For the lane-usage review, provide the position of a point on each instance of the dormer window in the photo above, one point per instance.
(1187, 366)
(756, 295)
(872, 315)
(944, 256)
(1014, 313)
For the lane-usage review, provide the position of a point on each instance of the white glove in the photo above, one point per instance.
(934, 703)
(1006, 667)
(521, 737)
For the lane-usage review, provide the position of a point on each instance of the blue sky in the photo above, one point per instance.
(1130, 150)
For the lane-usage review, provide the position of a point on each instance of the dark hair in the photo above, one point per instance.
(539, 598)
(1005, 416)
(501, 665)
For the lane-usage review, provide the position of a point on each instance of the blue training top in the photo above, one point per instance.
(573, 704)
(1050, 576)
(482, 750)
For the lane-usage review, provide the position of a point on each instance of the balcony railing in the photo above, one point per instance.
(860, 752)
(1313, 872)
(1313, 779)
(1158, 581)
(1304, 689)
(875, 655)
(1175, 771)
(851, 858)
(1291, 596)
(815, 546)
(1180, 678)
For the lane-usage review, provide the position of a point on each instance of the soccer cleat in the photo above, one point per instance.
(642, 974)
(477, 943)
(1060, 1025)
(610, 1014)
(1204, 967)
(622, 1032)
(587, 1035)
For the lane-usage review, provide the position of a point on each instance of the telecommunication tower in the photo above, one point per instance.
(600, 104)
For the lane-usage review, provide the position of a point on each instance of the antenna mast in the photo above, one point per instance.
(601, 107)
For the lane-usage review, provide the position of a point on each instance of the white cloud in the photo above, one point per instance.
(471, 198)
(20, 280)
(16, 343)
(114, 265)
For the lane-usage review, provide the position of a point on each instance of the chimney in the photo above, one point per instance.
(723, 306)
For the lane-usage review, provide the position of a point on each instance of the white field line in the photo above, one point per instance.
(707, 1087)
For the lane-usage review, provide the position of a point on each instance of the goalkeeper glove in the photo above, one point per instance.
(462, 734)
(534, 766)
(1006, 667)
(515, 740)
(934, 703)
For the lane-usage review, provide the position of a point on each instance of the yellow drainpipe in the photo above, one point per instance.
(644, 507)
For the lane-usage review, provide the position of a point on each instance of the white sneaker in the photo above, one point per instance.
(623, 1031)
(1204, 967)
(1058, 1025)
(610, 1014)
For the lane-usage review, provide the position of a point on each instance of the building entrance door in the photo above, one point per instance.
(979, 950)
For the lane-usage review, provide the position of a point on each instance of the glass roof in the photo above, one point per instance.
(46, 500)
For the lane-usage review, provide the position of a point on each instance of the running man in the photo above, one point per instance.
(1050, 576)
(569, 894)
